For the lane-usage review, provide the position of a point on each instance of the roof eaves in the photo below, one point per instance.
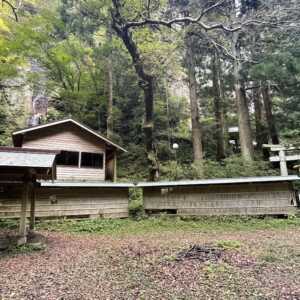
(28, 129)
(27, 160)
(74, 122)
(219, 181)
(86, 184)
(28, 150)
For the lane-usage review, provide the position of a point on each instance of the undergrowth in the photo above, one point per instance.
(166, 223)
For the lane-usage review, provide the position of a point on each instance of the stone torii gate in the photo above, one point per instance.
(282, 157)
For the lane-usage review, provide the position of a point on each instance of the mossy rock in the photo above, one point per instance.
(4, 243)
(36, 241)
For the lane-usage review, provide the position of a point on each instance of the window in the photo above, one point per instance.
(92, 160)
(67, 158)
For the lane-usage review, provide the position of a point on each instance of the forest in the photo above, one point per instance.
(215, 79)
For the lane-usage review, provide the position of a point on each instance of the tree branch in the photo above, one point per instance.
(13, 8)
(182, 20)
(210, 8)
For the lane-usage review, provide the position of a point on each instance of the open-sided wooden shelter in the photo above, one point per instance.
(272, 195)
(19, 171)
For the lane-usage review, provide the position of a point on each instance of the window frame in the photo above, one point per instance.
(90, 167)
(70, 166)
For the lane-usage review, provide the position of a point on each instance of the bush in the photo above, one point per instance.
(233, 166)
(136, 208)
(172, 170)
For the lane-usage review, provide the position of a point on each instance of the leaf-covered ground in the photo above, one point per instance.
(254, 264)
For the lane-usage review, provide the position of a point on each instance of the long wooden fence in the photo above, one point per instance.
(252, 196)
(256, 198)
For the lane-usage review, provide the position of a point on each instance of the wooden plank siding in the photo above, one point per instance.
(238, 199)
(66, 202)
(69, 138)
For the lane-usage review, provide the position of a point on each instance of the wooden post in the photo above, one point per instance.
(22, 229)
(283, 165)
(115, 167)
(32, 207)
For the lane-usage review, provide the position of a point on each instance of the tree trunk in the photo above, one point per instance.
(245, 132)
(261, 130)
(218, 107)
(195, 116)
(259, 126)
(146, 83)
(109, 120)
(265, 90)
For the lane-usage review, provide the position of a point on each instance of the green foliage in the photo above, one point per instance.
(10, 119)
(136, 207)
(27, 248)
(172, 170)
(74, 40)
(228, 245)
(230, 167)
(87, 226)
(165, 223)
(8, 223)
(212, 270)
(270, 256)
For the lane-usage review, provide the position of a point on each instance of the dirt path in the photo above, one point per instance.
(254, 265)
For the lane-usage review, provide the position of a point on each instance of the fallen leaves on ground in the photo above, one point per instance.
(265, 266)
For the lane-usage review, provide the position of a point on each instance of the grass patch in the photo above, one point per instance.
(280, 254)
(229, 245)
(166, 223)
(8, 223)
(213, 269)
(23, 249)
(27, 248)
(270, 257)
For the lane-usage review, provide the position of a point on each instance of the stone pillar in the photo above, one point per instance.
(283, 165)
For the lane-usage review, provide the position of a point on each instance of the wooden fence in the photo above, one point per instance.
(236, 199)
(63, 202)
(110, 200)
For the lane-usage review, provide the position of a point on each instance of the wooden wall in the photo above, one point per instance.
(241, 199)
(63, 202)
(70, 138)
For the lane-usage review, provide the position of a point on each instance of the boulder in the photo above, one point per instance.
(4, 243)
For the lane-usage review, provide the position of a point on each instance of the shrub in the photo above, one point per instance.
(136, 208)
(233, 166)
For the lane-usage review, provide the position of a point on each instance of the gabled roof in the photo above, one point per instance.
(84, 127)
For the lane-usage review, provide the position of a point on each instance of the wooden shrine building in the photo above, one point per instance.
(85, 173)
(85, 154)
